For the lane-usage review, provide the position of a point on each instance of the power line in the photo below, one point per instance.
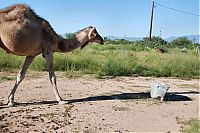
(177, 10)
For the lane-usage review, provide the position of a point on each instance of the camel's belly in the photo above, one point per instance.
(21, 48)
(24, 52)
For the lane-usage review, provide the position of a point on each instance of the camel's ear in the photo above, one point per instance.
(90, 33)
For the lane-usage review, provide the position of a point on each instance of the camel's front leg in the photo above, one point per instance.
(20, 77)
(52, 76)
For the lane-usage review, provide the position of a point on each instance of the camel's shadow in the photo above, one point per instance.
(170, 96)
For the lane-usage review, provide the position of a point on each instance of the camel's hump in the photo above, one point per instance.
(20, 12)
(16, 7)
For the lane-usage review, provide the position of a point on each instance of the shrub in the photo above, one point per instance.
(182, 42)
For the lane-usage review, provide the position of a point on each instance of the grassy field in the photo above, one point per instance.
(115, 60)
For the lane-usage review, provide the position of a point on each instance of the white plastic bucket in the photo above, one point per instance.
(159, 90)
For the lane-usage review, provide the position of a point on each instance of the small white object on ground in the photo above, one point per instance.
(159, 90)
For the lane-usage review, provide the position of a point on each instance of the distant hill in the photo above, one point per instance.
(193, 38)
(126, 38)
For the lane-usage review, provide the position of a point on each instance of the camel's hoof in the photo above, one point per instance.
(11, 104)
(161, 99)
(62, 102)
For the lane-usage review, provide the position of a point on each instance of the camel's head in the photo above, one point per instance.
(94, 36)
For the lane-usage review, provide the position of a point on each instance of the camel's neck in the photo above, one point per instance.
(67, 45)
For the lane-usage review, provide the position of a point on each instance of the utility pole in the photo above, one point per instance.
(151, 22)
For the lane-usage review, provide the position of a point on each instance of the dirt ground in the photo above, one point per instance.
(121, 104)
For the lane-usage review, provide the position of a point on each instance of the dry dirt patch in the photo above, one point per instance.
(97, 105)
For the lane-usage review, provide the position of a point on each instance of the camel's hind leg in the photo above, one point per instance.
(52, 76)
(20, 77)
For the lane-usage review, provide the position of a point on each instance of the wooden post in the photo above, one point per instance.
(151, 22)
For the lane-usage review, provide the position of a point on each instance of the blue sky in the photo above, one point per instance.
(117, 17)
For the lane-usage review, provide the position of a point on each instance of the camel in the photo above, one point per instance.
(24, 33)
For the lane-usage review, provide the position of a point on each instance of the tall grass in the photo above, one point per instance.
(8, 62)
(116, 60)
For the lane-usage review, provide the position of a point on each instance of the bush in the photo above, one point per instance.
(39, 64)
(182, 42)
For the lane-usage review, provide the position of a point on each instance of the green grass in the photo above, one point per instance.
(8, 62)
(193, 126)
(6, 78)
(116, 60)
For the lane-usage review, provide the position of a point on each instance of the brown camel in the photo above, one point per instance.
(24, 33)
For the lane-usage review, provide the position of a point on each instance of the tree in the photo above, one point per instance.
(69, 35)
(155, 41)
(181, 42)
